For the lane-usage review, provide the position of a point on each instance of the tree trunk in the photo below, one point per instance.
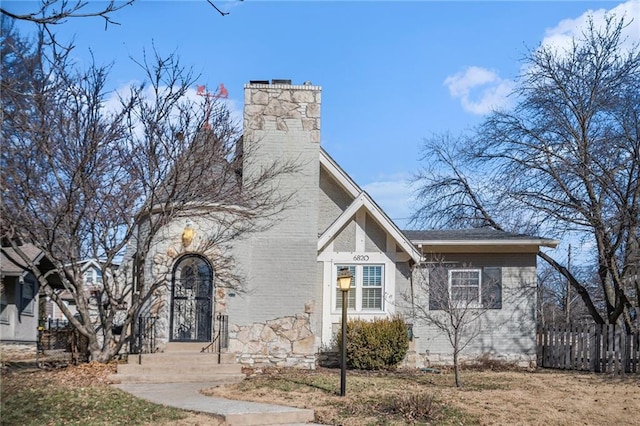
(456, 368)
(584, 294)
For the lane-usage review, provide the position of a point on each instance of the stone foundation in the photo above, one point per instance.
(430, 359)
(17, 350)
(413, 359)
(282, 342)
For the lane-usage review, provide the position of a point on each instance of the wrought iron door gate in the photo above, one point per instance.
(191, 300)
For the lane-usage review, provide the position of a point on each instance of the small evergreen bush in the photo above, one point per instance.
(377, 344)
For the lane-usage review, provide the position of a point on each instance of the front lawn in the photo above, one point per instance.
(541, 397)
(79, 395)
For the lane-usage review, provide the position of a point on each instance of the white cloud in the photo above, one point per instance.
(561, 35)
(395, 196)
(480, 90)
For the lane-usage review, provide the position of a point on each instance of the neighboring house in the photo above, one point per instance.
(92, 277)
(19, 296)
(290, 308)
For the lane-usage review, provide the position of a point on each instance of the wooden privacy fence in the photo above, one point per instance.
(590, 347)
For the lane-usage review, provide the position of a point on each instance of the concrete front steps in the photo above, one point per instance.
(180, 363)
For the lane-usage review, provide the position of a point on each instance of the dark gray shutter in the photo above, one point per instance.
(438, 288)
(492, 288)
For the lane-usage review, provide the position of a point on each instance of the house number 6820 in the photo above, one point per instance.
(360, 257)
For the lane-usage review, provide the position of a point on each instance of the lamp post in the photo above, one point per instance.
(344, 284)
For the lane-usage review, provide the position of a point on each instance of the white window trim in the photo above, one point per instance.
(359, 267)
(89, 277)
(330, 315)
(472, 304)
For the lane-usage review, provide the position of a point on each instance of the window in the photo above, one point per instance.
(92, 276)
(27, 290)
(472, 287)
(464, 285)
(4, 312)
(372, 287)
(351, 296)
(366, 290)
(89, 277)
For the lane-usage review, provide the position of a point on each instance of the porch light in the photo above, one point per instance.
(344, 284)
(344, 279)
(188, 234)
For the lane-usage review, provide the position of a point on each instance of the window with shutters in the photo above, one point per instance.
(473, 287)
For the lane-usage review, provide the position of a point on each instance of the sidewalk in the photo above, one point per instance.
(186, 396)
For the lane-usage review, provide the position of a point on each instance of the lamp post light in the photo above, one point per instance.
(344, 284)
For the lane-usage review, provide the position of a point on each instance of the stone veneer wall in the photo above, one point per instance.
(413, 359)
(281, 342)
(166, 251)
(287, 107)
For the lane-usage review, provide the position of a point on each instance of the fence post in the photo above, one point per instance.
(595, 350)
(539, 347)
(219, 344)
(611, 338)
(624, 351)
(139, 339)
(572, 349)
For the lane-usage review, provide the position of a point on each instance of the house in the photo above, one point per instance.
(92, 277)
(19, 296)
(290, 307)
(494, 274)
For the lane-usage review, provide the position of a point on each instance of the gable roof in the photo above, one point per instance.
(361, 200)
(343, 179)
(12, 264)
(475, 237)
(412, 242)
(93, 263)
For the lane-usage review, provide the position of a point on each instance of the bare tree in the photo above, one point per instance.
(87, 178)
(565, 161)
(453, 302)
(555, 304)
(53, 12)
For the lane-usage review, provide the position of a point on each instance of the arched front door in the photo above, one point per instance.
(191, 300)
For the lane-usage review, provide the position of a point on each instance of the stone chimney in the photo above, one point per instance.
(282, 123)
(283, 107)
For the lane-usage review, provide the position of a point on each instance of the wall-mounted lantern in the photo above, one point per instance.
(188, 234)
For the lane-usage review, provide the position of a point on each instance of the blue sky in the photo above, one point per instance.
(392, 73)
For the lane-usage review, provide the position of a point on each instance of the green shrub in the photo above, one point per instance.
(377, 344)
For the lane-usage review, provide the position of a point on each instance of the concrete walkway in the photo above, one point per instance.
(187, 396)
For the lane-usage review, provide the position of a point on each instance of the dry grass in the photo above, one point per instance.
(507, 397)
(492, 394)
(79, 395)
